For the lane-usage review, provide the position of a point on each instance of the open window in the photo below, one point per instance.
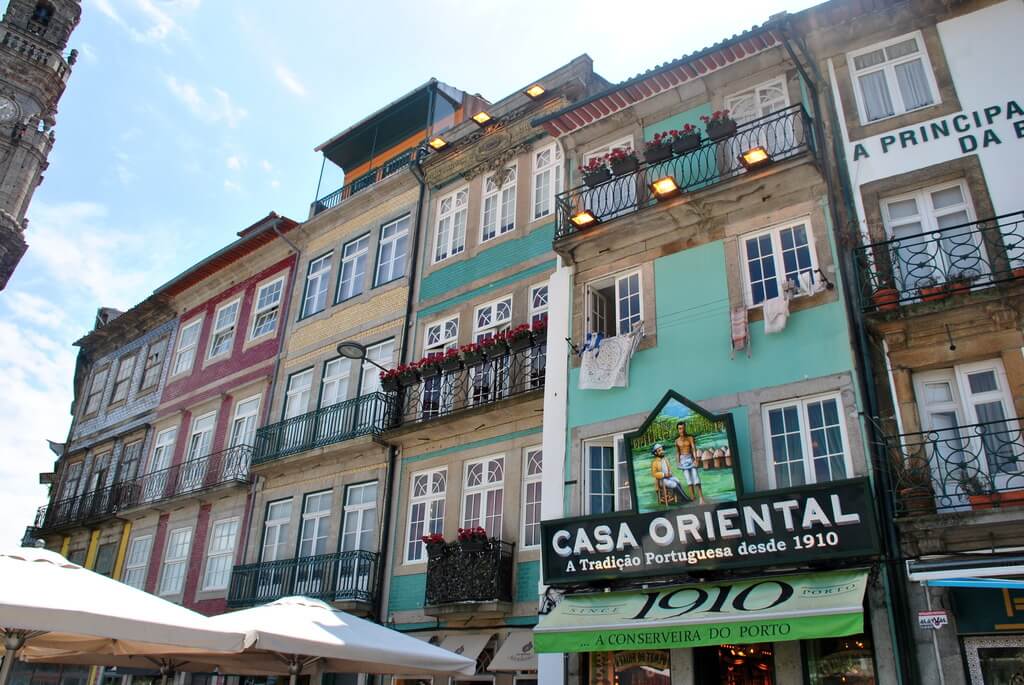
(615, 304)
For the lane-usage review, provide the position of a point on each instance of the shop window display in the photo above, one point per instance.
(735, 664)
(649, 667)
(840, 661)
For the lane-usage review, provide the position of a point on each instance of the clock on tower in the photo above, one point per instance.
(33, 73)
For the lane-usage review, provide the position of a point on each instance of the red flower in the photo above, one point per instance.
(432, 538)
(596, 164)
(619, 154)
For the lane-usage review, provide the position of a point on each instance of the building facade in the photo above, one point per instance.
(929, 143)
(33, 74)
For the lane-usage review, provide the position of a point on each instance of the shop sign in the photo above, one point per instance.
(932, 620)
(988, 610)
(827, 521)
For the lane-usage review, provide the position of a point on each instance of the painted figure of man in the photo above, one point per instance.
(662, 470)
(686, 448)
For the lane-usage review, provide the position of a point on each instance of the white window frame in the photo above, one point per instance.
(499, 195)
(187, 352)
(926, 212)
(175, 562)
(123, 379)
(483, 489)
(219, 329)
(132, 564)
(755, 92)
(319, 519)
(601, 284)
(194, 433)
(342, 378)
(451, 249)
(99, 378)
(161, 443)
(217, 555)
(542, 310)
(446, 338)
(358, 280)
(357, 513)
(479, 332)
(555, 167)
(154, 360)
(395, 265)
(289, 392)
(810, 477)
(253, 413)
(528, 480)
(282, 526)
(427, 500)
(267, 309)
(775, 232)
(895, 96)
(321, 276)
(622, 495)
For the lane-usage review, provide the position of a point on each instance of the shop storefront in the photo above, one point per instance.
(742, 588)
(503, 657)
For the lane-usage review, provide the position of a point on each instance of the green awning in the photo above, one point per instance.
(771, 609)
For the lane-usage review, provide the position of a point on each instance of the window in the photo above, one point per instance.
(95, 396)
(188, 339)
(360, 517)
(155, 481)
(220, 554)
(450, 238)
(296, 397)
(426, 510)
(615, 197)
(122, 379)
(391, 252)
(441, 336)
(314, 298)
(334, 384)
(492, 317)
(243, 426)
(759, 101)
(606, 476)
(72, 476)
(42, 13)
(483, 494)
(223, 329)
(499, 204)
(175, 561)
(538, 303)
(437, 394)
(316, 514)
(268, 305)
(547, 179)
(154, 364)
(131, 457)
(384, 354)
(615, 304)
(892, 78)
(106, 557)
(100, 471)
(533, 471)
(136, 560)
(780, 255)
(931, 248)
(352, 277)
(201, 439)
(806, 441)
(275, 530)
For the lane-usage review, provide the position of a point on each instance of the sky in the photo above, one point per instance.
(184, 121)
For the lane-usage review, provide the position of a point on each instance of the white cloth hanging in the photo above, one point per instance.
(740, 330)
(608, 366)
(776, 313)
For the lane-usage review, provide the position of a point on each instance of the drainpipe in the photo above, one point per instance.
(905, 645)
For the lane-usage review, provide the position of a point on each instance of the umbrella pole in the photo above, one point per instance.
(293, 671)
(165, 671)
(12, 643)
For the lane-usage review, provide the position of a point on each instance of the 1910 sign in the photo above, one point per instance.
(831, 520)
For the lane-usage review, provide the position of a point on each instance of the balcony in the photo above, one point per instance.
(960, 468)
(339, 577)
(89, 506)
(469, 580)
(371, 177)
(474, 385)
(368, 414)
(35, 53)
(226, 467)
(784, 134)
(930, 267)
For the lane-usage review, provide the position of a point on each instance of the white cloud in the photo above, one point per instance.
(214, 110)
(275, 184)
(148, 23)
(89, 53)
(234, 162)
(289, 80)
(266, 166)
(34, 309)
(231, 186)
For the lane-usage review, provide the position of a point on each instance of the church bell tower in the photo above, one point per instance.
(34, 70)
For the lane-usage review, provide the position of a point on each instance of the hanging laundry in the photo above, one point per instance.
(606, 364)
(776, 313)
(740, 330)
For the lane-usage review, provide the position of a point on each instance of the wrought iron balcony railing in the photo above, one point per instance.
(457, 573)
(342, 576)
(473, 385)
(392, 166)
(40, 519)
(784, 134)
(959, 468)
(230, 465)
(926, 267)
(364, 415)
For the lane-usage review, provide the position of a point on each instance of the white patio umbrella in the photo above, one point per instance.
(48, 603)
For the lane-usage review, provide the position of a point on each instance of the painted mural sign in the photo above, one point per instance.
(682, 456)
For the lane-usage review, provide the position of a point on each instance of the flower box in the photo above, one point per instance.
(495, 347)
(520, 338)
(1012, 498)
(885, 299)
(933, 293)
(408, 377)
(595, 178)
(624, 164)
(430, 368)
(657, 153)
(719, 125)
(452, 363)
(473, 539)
(686, 142)
(960, 284)
(389, 384)
(471, 354)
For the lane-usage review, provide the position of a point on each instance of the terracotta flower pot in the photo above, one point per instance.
(917, 500)
(1018, 272)
(1012, 498)
(886, 299)
(933, 293)
(959, 286)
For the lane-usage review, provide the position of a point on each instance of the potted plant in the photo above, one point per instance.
(685, 139)
(495, 345)
(915, 487)
(519, 338)
(659, 148)
(451, 360)
(435, 544)
(473, 539)
(595, 172)
(1017, 272)
(982, 494)
(408, 375)
(931, 290)
(961, 281)
(540, 330)
(622, 161)
(430, 365)
(389, 380)
(719, 125)
(885, 299)
(471, 354)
